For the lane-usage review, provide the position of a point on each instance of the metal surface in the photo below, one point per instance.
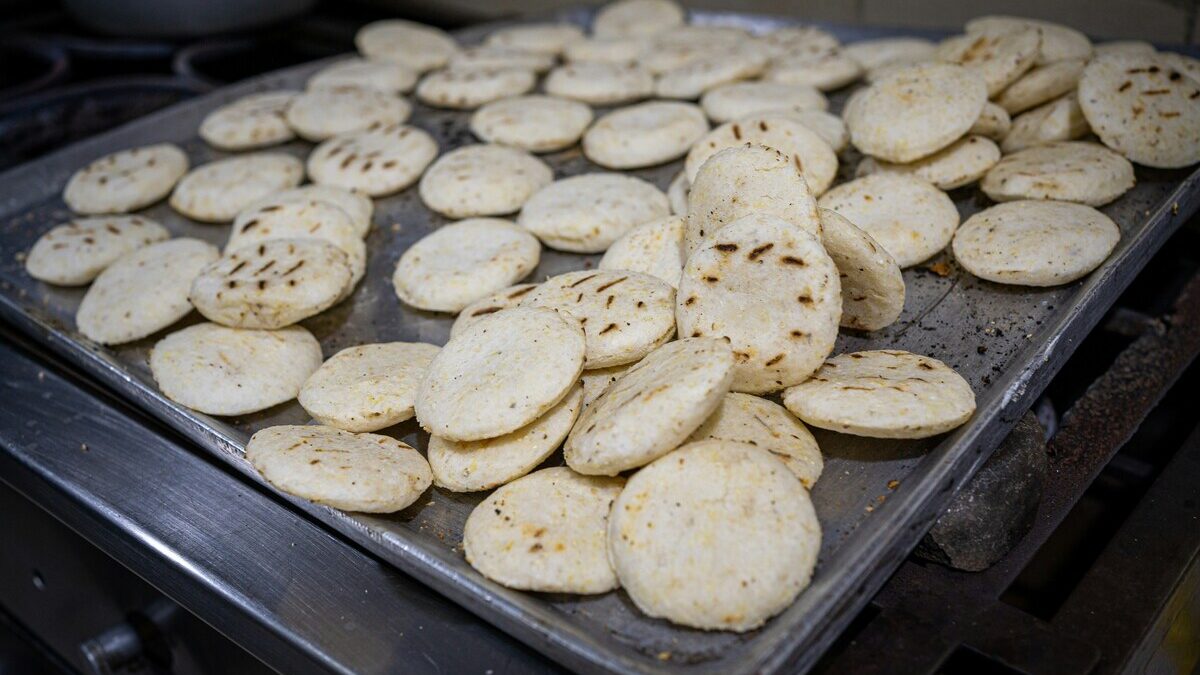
(272, 581)
(875, 499)
(1119, 616)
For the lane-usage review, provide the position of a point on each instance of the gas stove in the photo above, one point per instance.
(1093, 570)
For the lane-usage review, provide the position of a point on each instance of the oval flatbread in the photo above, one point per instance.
(1058, 42)
(367, 473)
(1058, 120)
(358, 206)
(368, 387)
(598, 83)
(1035, 243)
(533, 123)
(74, 253)
(472, 466)
(253, 121)
(469, 88)
(587, 213)
(872, 285)
(744, 418)
(142, 292)
(998, 57)
(961, 163)
(771, 291)
(644, 135)
(740, 181)
(295, 220)
(272, 284)
(545, 532)
(482, 180)
(637, 17)
(741, 99)
(466, 261)
(125, 181)
(915, 111)
(491, 57)
(408, 43)
(652, 408)
(377, 162)
(540, 38)
(623, 50)
(625, 315)
(507, 368)
(385, 76)
(1144, 107)
(1073, 171)
(722, 66)
(883, 394)
(909, 217)
(325, 112)
(217, 191)
(825, 70)
(716, 535)
(233, 371)
(1042, 84)
(654, 248)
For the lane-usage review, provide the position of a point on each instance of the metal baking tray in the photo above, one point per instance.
(875, 499)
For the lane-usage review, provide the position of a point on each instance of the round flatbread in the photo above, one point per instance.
(325, 112)
(472, 466)
(125, 181)
(142, 292)
(739, 181)
(915, 111)
(1144, 108)
(680, 47)
(654, 248)
(312, 219)
(883, 394)
(717, 535)
(724, 66)
(376, 162)
(587, 213)
(741, 99)
(961, 163)
(1035, 243)
(367, 473)
(909, 217)
(232, 371)
(826, 71)
(677, 193)
(533, 123)
(872, 285)
(75, 252)
(253, 121)
(599, 83)
(1073, 171)
(771, 291)
(408, 43)
(272, 284)
(463, 262)
(490, 57)
(358, 206)
(993, 122)
(803, 147)
(1042, 84)
(625, 315)
(469, 88)
(507, 368)
(644, 135)
(828, 126)
(386, 76)
(217, 191)
(1058, 42)
(625, 18)
(623, 50)
(652, 408)
(793, 39)
(744, 418)
(545, 532)
(369, 387)
(1059, 120)
(483, 180)
(998, 57)
(505, 299)
(539, 38)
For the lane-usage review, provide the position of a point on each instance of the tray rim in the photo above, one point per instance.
(790, 640)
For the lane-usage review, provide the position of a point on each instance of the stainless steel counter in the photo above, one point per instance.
(279, 585)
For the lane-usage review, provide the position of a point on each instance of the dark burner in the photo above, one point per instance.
(30, 65)
(223, 61)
